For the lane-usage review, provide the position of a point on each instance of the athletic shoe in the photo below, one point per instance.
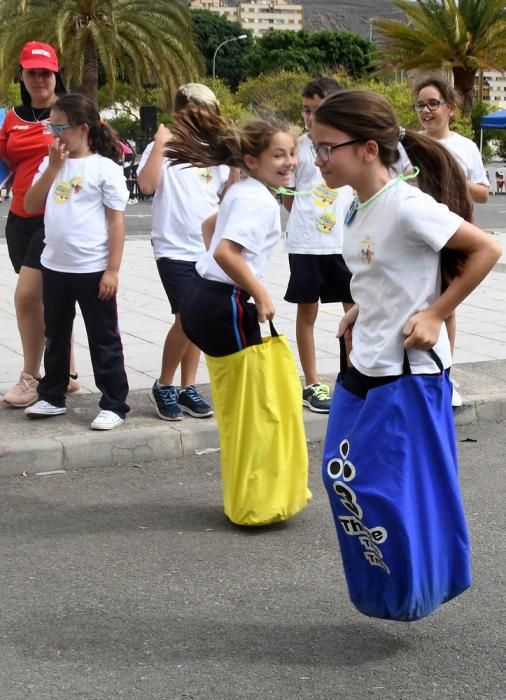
(43, 409)
(190, 401)
(317, 398)
(164, 399)
(456, 397)
(106, 420)
(24, 392)
(74, 384)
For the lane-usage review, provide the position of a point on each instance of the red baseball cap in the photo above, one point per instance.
(34, 54)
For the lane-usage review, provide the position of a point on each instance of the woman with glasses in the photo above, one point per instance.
(24, 140)
(435, 104)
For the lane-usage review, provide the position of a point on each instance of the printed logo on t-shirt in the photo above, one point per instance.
(204, 174)
(326, 222)
(367, 250)
(324, 197)
(66, 188)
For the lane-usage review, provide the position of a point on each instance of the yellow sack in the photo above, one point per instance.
(258, 403)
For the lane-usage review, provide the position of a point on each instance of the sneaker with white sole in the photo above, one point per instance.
(317, 398)
(190, 401)
(44, 409)
(107, 420)
(24, 392)
(164, 398)
(456, 397)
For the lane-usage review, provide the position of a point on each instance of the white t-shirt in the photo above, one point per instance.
(250, 216)
(392, 249)
(76, 227)
(315, 224)
(467, 154)
(185, 196)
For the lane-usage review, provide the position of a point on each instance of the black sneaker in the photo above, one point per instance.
(317, 398)
(193, 403)
(164, 399)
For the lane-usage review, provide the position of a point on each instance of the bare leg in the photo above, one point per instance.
(178, 350)
(306, 317)
(30, 318)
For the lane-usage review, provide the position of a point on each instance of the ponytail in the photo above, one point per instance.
(101, 138)
(442, 178)
(204, 138)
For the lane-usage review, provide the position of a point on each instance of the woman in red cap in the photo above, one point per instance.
(24, 141)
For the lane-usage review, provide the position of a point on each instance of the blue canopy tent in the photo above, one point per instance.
(497, 120)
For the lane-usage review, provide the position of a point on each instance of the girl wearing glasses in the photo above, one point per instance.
(83, 189)
(435, 104)
(217, 315)
(394, 237)
(24, 139)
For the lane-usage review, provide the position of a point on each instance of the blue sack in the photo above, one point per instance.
(391, 474)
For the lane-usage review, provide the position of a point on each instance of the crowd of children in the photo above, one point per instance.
(216, 222)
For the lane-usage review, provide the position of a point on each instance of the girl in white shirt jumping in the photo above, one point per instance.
(83, 189)
(394, 238)
(217, 315)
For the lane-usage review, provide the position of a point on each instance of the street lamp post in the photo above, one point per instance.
(234, 38)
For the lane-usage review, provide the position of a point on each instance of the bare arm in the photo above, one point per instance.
(479, 193)
(482, 251)
(109, 282)
(208, 226)
(229, 258)
(35, 198)
(149, 177)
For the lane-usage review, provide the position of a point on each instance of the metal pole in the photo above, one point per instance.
(234, 38)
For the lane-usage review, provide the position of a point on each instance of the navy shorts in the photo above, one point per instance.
(219, 319)
(316, 278)
(25, 240)
(178, 278)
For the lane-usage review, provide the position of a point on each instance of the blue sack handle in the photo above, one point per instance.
(406, 367)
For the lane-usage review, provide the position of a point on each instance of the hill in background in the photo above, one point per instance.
(350, 17)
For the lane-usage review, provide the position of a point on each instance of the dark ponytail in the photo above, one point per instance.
(102, 139)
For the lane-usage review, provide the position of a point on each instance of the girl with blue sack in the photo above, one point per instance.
(390, 460)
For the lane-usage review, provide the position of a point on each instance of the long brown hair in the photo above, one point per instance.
(368, 116)
(204, 138)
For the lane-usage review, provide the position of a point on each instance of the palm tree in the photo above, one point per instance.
(143, 42)
(464, 37)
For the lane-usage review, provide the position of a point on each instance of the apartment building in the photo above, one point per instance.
(260, 16)
(494, 88)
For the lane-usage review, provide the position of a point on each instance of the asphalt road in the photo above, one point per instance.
(130, 583)
(491, 216)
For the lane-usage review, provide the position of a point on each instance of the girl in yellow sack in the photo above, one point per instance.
(256, 390)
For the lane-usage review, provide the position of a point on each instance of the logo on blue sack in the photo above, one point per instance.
(342, 471)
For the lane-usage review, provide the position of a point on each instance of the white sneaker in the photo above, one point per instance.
(456, 397)
(106, 420)
(44, 408)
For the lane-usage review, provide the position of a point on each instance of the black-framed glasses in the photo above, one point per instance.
(324, 151)
(432, 105)
(58, 129)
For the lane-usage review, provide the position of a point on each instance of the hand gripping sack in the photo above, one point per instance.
(390, 470)
(258, 403)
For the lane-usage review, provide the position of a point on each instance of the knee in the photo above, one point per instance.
(307, 313)
(28, 299)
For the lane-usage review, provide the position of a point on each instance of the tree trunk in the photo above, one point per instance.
(463, 79)
(89, 85)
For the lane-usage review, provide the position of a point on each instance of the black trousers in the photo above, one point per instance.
(61, 291)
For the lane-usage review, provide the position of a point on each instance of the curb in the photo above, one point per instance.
(127, 447)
